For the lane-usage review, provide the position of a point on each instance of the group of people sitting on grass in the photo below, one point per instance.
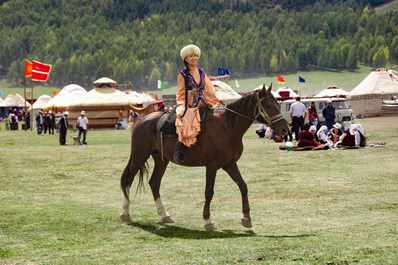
(352, 136)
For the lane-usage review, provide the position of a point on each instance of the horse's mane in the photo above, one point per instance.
(241, 105)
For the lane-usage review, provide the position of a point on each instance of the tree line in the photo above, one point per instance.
(85, 40)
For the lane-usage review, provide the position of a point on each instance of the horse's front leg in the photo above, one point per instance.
(210, 180)
(234, 173)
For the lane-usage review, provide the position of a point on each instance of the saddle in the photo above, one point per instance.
(166, 122)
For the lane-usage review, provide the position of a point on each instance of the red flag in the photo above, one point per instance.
(40, 71)
(281, 79)
(55, 92)
(28, 68)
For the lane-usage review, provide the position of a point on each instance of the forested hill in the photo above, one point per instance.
(139, 41)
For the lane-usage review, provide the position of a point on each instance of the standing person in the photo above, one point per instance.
(82, 122)
(27, 122)
(50, 122)
(39, 122)
(63, 128)
(313, 114)
(329, 113)
(298, 112)
(45, 126)
(194, 90)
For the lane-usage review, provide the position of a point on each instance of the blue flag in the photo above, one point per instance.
(302, 80)
(222, 71)
(1, 93)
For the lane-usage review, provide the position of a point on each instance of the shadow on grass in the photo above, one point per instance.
(172, 231)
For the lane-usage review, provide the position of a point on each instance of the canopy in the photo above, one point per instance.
(380, 83)
(15, 100)
(332, 91)
(41, 102)
(65, 97)
(2, 103)
(138, 98)
(224, 91)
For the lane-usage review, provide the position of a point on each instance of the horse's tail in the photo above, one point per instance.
(128, 177)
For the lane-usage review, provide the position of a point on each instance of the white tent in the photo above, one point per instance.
(65, 97)
(41, 102)
(104, 104)
(366, 98)
(225, 92)
(2, 103)
(288, 91)
(332, 91)
(274, 93)
(15, 100)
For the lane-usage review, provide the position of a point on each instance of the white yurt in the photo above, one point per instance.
(274, 93)
(104, 105)
(366, 98)
(331, 92)
(15, 100)
(225, 92)
(64, 98)
(286, 92)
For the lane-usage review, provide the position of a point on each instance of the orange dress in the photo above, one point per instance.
(188, 127)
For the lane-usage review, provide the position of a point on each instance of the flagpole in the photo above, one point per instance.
(31, 116)
(24, 92)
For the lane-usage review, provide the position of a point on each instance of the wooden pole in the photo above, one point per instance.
(24, 92)
(31, 118)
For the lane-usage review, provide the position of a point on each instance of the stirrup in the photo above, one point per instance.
(179, 157)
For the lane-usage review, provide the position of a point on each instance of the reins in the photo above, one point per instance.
(261, 112)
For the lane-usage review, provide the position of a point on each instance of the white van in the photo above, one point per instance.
(343, 111)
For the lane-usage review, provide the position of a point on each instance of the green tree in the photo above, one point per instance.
(154, 77)
(352, 59)
(273, 66)
(380, 59)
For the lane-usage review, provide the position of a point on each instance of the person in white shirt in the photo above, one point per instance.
(82, 122)
(298, 112)
(261, 130)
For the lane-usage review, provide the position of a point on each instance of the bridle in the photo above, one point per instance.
(261, 112)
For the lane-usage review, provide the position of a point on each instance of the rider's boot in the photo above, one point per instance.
(179, 156)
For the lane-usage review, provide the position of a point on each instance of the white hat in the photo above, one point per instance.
(337, 126)
(83, 113)
(329, 100)
(66, 113)
(189, 50)
(313, 128)
(50, 111)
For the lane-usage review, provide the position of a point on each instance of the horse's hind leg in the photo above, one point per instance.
(234, 173)
(135, 164)
(155, 181)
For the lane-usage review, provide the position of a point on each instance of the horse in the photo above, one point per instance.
(219, 145)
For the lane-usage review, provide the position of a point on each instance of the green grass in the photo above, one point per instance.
(61, 205)
(390, 6)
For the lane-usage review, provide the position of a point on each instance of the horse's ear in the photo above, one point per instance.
(270, 88)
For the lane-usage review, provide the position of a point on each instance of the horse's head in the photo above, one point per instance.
(268, 111)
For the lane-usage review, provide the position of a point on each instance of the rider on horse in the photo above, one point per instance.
(194, 90)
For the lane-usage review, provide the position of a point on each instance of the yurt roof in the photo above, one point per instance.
(41, 102)
(138, 98)
(224, 91)
(292, 94)
(2, 103)
(103, 97)
(66, 96)
(378, 83)
(105, 81)
(332, 91)
(274, 93)
(15, 100)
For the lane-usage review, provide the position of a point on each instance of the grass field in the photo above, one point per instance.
(390, 6)
(61, 205)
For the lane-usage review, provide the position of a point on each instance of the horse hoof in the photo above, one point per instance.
(126, 219)
(168, 220)
(210, 227)
(246, 223)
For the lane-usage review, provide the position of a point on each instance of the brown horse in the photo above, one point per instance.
(219, 145)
